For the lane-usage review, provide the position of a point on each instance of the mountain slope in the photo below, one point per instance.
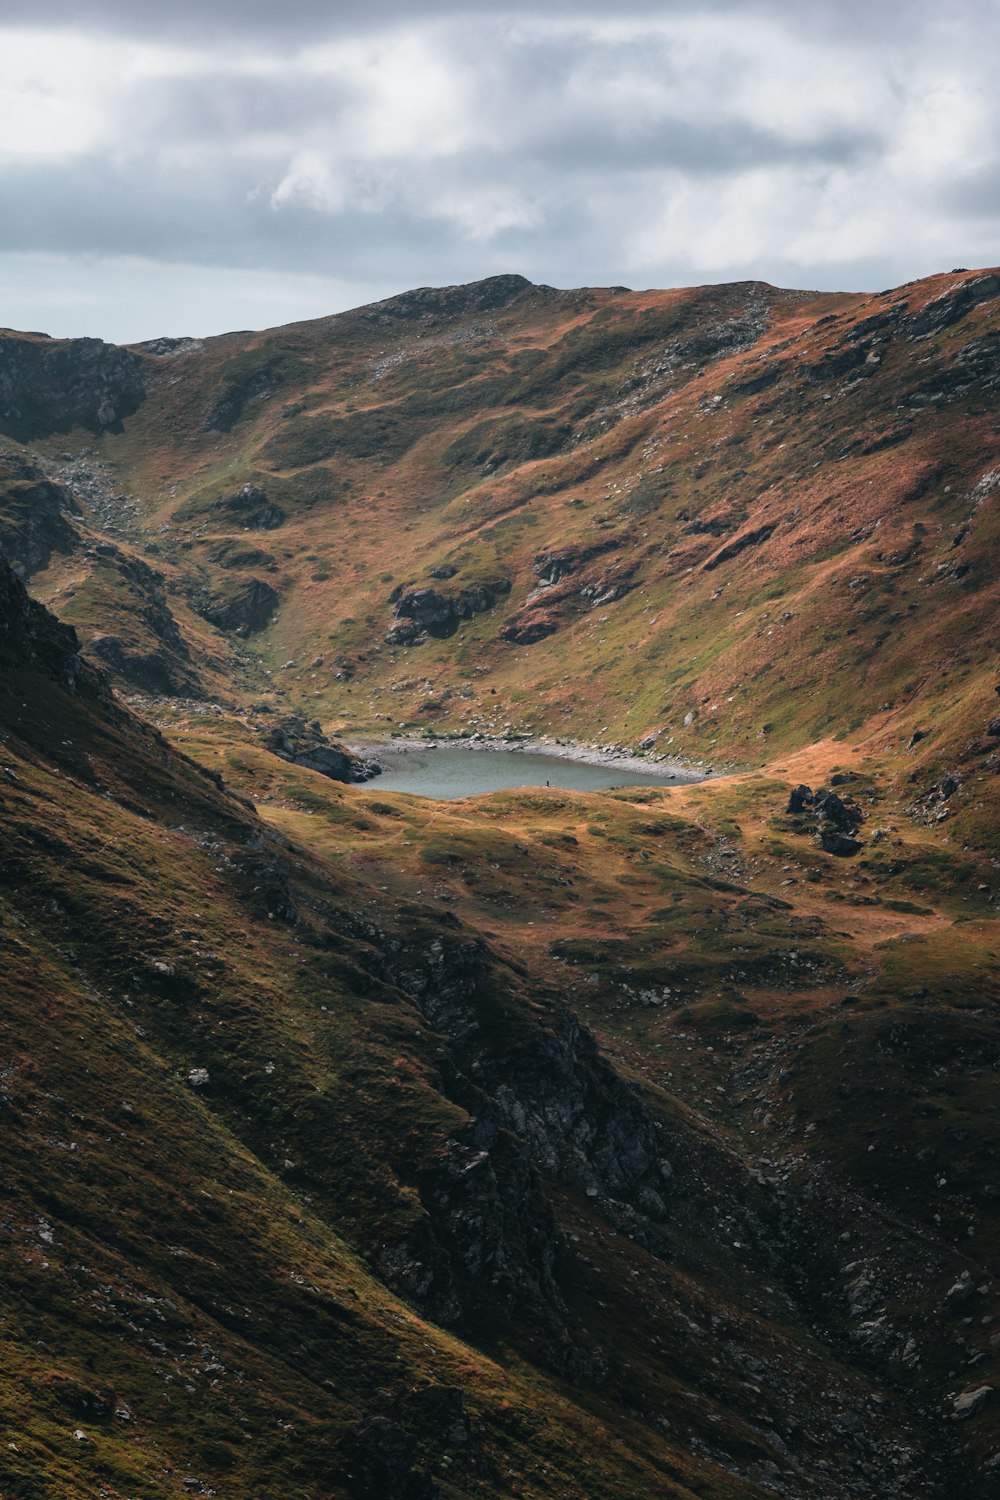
(540, 1144)
(668, 487)
(245, 1093)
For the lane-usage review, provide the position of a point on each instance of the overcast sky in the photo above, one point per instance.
(200, 165)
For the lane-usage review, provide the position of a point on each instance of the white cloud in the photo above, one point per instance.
(50, 97)
(414, 98)
(836, 143)
(482, 213)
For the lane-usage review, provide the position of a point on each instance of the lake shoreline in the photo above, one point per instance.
(591, 755)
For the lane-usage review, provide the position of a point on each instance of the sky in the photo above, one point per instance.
(204, 165)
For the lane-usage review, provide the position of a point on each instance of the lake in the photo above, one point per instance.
(457, 772)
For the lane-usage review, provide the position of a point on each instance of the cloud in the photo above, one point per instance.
(836, 143)
(319, 17)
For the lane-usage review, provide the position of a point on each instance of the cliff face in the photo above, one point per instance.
(35, 515)
(53, 385)
(32, 638)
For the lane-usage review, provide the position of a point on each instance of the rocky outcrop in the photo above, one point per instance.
(245, 608)
(489, 295)
(150, 653)
(489, 1247)
(53, 385)
(422, 612)
(147, 651)
(304, 744)
(499, 441)
(847, 357)
(952, 306)
(232, 554)
(553, 564)
(34, 516)
(543, 1105)
(148, 670)
(250, 508)
(525, 630)
(381, 1463)
(741, 544)
(170, 347)
(249, 379)
(31, 637)
(833, 820)
(568, 584)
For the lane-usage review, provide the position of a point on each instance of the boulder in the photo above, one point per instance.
(250, 508)
(971, 1402)
(839, 843)
(305, 744)
(962, 1292)
(799, 799)
(247, 607)
(421, 612)
(844, 816)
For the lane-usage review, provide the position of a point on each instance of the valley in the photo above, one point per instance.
(547, 1141)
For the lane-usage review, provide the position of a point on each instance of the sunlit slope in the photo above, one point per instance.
(733, 516)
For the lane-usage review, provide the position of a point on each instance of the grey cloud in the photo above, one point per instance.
(682, 146)
(220, 212)
(92, 209)
(193, 162)
(294, 19)
(975, 192)
(219, 107)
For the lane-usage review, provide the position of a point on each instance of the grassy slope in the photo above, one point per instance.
(830, 1028)
(173, 1289)
(835, 1023)
(399, 445)
(189, 1270)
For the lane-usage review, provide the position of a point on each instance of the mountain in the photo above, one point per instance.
(539, 1144)
(664, 486)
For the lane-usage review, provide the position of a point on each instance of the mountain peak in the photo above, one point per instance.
(487, 295)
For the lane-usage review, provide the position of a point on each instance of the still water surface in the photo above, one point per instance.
(450, 772)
